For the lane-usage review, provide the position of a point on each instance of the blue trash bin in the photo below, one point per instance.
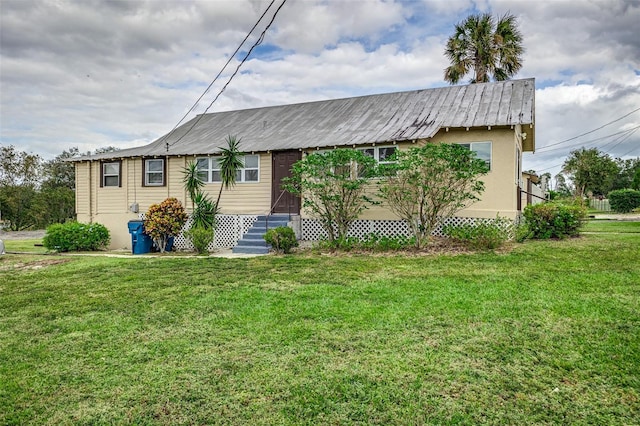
(140, 242)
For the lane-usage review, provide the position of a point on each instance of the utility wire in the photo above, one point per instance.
(221, 71)
(258, 42)
(591, 131)
(619, 140)
(624, 139)
(589, 141)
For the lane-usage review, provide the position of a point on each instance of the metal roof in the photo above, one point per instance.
(389, 117)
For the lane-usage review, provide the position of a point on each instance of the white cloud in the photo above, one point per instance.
(91, 74)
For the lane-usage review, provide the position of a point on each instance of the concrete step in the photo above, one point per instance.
(250, 250)
(252, 241)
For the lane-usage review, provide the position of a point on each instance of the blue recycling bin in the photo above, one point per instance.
(140, 242)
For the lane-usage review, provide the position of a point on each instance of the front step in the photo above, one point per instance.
(253, 241)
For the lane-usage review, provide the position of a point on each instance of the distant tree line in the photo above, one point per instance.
(35, 193)
(593, 173)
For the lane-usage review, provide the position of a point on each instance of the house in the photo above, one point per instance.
(494, 119)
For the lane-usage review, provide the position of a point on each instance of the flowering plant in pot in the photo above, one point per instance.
(164, 221)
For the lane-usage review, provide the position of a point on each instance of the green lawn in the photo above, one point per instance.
(611, 226)
(548, 333)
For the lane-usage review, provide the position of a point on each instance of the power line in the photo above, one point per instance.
(590, 141)
(259, 41)
(222, 70)
(591, 131)
(632, 149)
(619, 140)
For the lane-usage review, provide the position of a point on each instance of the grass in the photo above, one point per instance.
(611, 226)
(25, 246)
(548, 333)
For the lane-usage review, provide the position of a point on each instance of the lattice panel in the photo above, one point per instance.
(230, 229)
(312, 230)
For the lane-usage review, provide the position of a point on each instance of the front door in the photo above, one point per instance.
(283, 202)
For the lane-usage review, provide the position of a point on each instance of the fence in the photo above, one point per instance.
(230, 229)
(601, 205)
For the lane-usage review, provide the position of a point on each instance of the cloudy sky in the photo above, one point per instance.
(91, 73)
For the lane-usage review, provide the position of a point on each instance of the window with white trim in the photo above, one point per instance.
(110, 173)
(482, 150)
(154, 172)
(382, 154)
(209, 169)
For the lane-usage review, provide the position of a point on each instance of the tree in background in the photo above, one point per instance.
(592, 171)
(628, 175)
(430, 184)
(487, 48)
(35, 194)
(19, 179)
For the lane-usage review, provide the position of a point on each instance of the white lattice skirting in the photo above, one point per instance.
(312, 230)
(230, 230)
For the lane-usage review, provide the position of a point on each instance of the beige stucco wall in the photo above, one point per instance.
(110, 206)
(500, 195)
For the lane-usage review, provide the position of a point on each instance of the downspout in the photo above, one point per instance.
(90, 163)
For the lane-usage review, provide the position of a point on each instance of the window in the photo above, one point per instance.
(154, 172)
(209, 169)
(110, 173)
(382, 154)
(482, 150)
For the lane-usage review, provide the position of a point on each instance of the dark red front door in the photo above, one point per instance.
(282, 162)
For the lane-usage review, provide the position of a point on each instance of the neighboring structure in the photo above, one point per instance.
(494, 119)
(533, 190)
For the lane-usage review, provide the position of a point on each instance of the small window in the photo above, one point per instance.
(154, 172)
(482, 150)
(110, 174)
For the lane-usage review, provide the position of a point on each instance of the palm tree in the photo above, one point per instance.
(488, 49)
(229, 163)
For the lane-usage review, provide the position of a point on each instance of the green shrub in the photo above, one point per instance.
(522, 232)
(200, 237)
(282, 239)
(75, 236)
(485, 234)
(163, 221)
(553, 220)
(624, 200)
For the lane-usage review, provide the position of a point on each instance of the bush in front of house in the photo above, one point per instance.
(624, 200)
(553, 220)
(485, 234)
(75, 236)
(164, 220)
(282, 239)
(200, 237)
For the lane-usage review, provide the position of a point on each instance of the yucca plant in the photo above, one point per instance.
(193, 184)
(230, 162)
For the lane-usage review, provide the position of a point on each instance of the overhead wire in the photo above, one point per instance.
(223, 68)
(626, 135)
(591, 131)
(258, 42)
(589, 141)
